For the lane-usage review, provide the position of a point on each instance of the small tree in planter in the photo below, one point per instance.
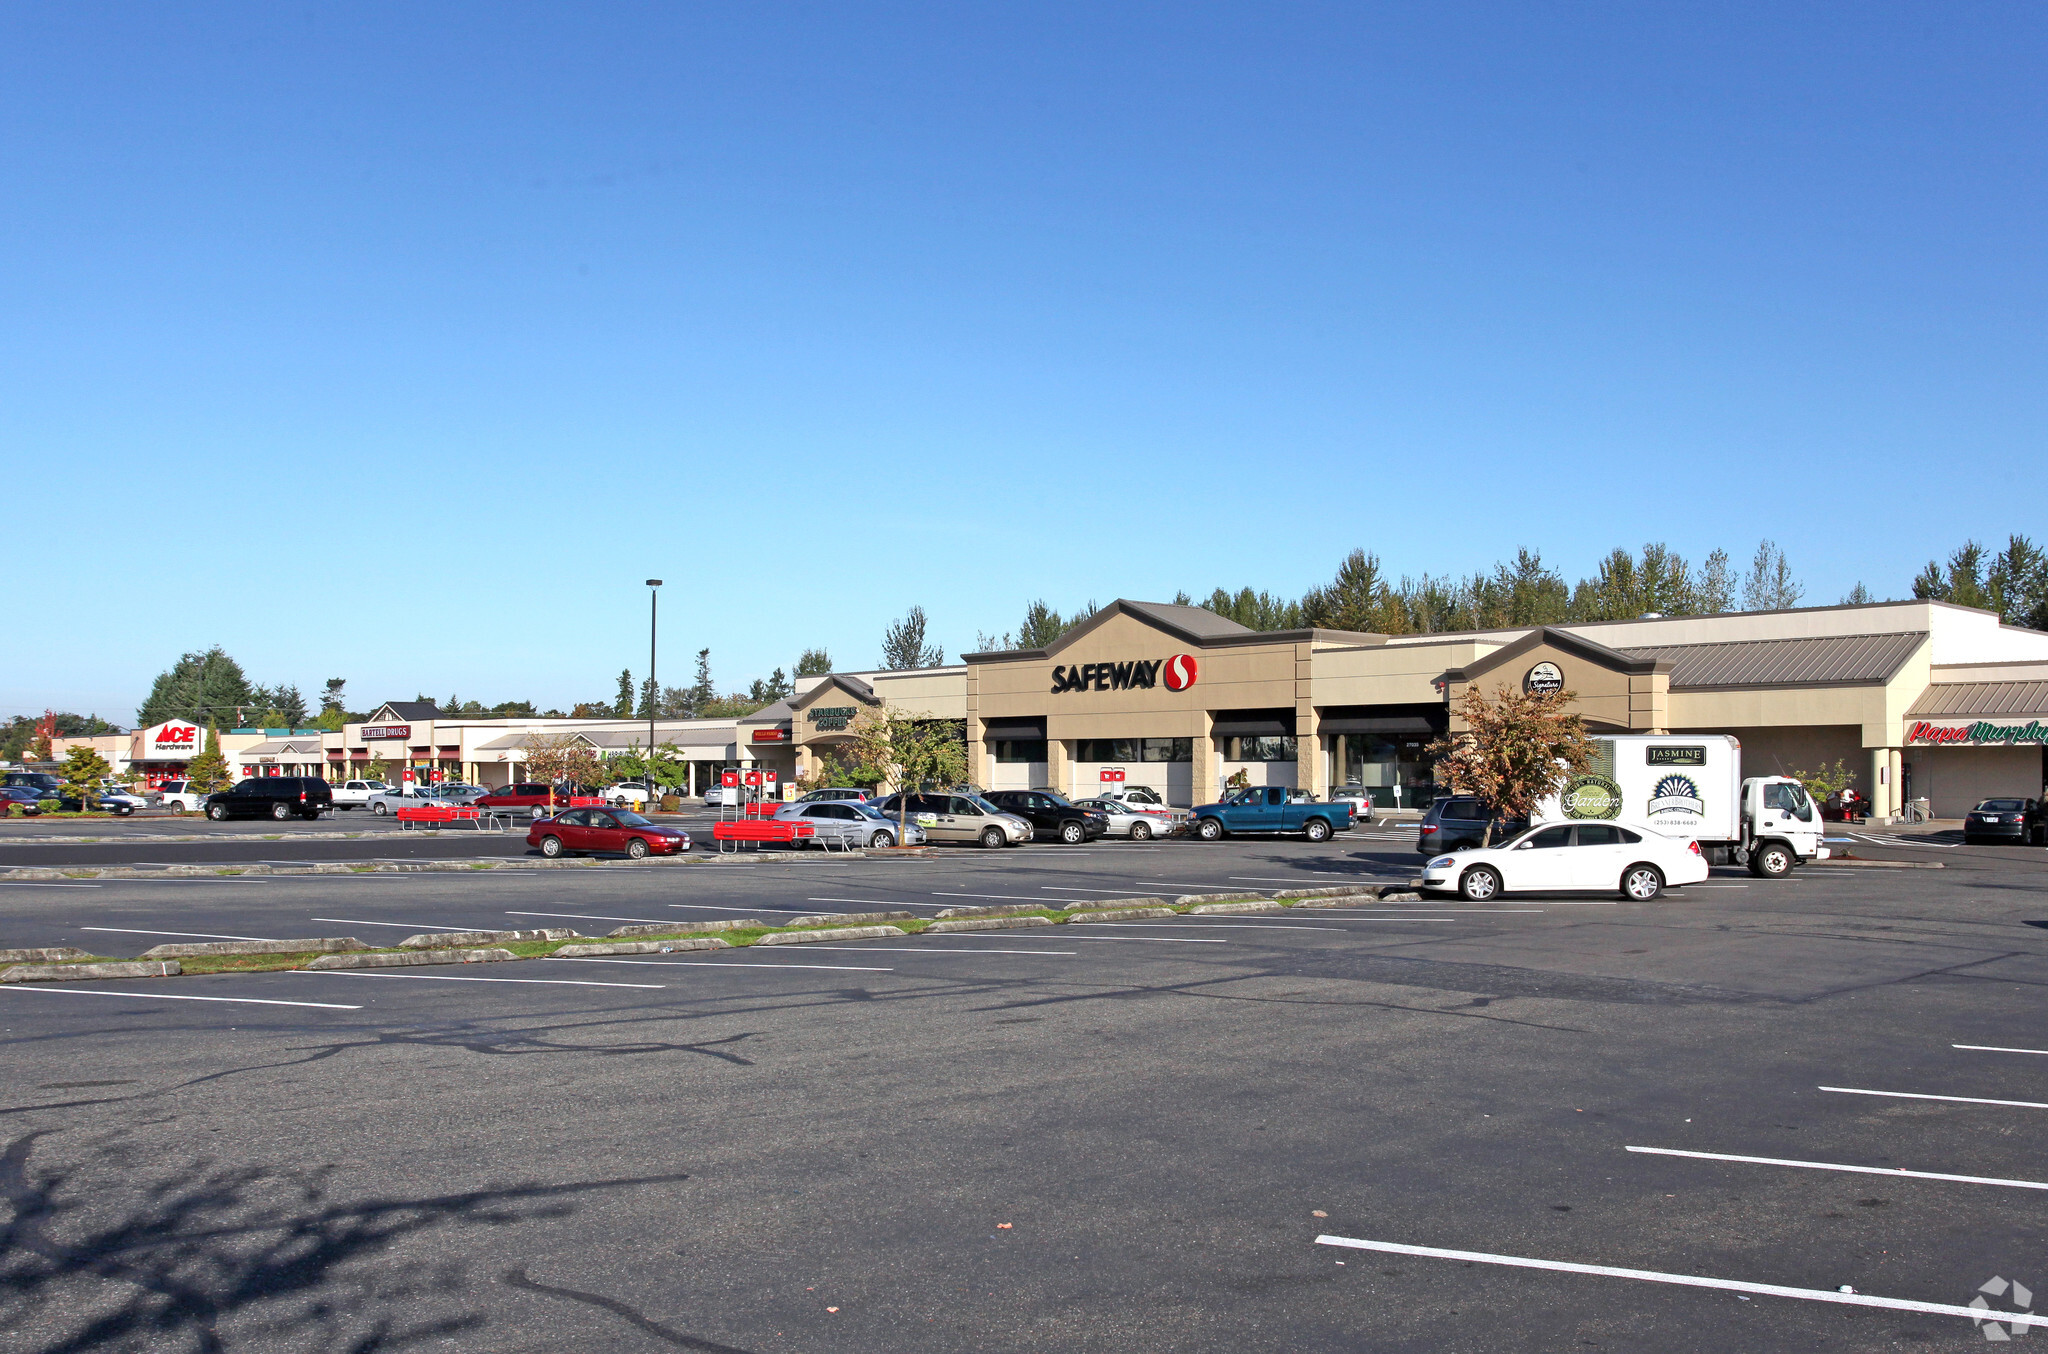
(908, 753)
(209, 771)
(83, 771)
(1519, 748)
(557, 757)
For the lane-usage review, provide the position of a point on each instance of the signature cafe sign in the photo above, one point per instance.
(1139, 674)
(826, 718)
(1982, 732)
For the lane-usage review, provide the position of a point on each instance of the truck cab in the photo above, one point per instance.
(1781, 827)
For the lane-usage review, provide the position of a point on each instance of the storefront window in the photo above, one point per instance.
(1279, 748)
(1394, 772)
(1020, 749)
(1134, 749)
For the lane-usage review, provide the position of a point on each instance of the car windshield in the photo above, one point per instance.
(2002, 806)
(984, 805)
(871, 811)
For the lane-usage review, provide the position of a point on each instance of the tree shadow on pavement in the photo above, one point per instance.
(205, 1258)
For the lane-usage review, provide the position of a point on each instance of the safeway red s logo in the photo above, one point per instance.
(1180, 672)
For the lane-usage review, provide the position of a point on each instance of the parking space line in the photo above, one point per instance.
(1991, 1048)
(713, 907)
(1957, 1099)
(1162, 940)
(874, 902)
(452, 978)
(401, 925)
(33, 884)
(1013, 897)
(586, 916)
(931, 949)
(168, 996)
(1068, 888)
(1838, 1166)
(723, 963)
(188, 935)
(1685, 1280)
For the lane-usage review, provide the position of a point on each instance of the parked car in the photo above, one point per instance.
(1139, 822)
(43, 781)
(23, 799)
(121, 795)
(2005, 820)
(354, 794)
(714, 795)
(386, 802)
(278, 797)
(1457, 821)
(1271, 808)
(1132, 794)
(528, 797)
(960, 819)
(179, 794)
(1571, 857)
(1051, 815)
(629, 794)
(605, 830)
(1360, 800)
(832, 794)
(455, 792)
(851, 823)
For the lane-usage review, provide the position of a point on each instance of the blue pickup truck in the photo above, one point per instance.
(1271, 808)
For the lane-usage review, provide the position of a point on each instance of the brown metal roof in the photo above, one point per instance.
(1983, 698)
(1833, 659)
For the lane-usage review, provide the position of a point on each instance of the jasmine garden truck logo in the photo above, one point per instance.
(1592, 797)
(1676, 797)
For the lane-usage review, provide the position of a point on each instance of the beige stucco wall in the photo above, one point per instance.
(1393, 674)
(1956, 778)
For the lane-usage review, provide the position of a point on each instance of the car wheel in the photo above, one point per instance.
(1772, 860)
(381, 809)
(124, 810)
(880, 840)
(280, 812)
(1641, 883)
(1209, 830)
(1072, 833)
(1480, 884)
(636, 849)
(551, 847)
(1318, 830)
(1141, 832)
(217, 812)
(992, 838)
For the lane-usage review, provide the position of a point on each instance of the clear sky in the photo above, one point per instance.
(400, 343)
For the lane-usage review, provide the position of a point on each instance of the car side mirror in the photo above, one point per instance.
(1523, 846)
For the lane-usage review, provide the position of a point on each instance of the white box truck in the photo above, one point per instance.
(1692, 786)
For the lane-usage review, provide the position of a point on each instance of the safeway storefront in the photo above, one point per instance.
(1184, 701)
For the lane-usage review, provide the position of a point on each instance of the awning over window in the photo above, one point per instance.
(1015, 729)
(1387, 724)
(1278, 723)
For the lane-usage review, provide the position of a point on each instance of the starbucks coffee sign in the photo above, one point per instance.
(826, 718)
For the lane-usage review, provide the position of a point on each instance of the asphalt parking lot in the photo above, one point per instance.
(1356, 1128)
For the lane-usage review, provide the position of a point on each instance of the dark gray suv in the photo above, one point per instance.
(1459, 821)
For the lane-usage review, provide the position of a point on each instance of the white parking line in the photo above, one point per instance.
(1957, 1099)
(1837, 1166)
(722, 963)
(1162, 940)
(11, 884)
(189, 935)
(585, 916)
(1992, 1048)
(1013, 897)
(401, 925)
(1686, 1280)
(930, 949)
(1064, 888)
(713, 907)
(874, 902)
(166, 996)
(451, 978)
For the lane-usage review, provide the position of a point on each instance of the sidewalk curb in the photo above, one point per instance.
(1232, 909)
(443, 940)
(207, 949)
(837, 933)
(1122, 914)
(411, 959)
(52, 973)
(640, 947)
(984, 924)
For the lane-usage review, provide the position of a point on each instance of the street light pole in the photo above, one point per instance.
(653, 686)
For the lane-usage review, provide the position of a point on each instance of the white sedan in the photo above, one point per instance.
(1139, 821)
(1571, 857)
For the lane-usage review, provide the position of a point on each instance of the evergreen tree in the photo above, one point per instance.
(209, 771)
(645, 709)
(903, 645)
(1042, 625)
(83, 770)
(1359, 599)
(622, 705)
(813, 663)
(1858, 596)
(702, 692)
(331, 698)
(1770, 585)
(205, 685)
(2018, 584)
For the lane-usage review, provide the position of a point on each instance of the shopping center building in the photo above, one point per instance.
(1921, 700)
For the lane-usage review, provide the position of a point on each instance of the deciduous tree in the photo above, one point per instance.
(908, 753)
(1518, 748)
(903, 645)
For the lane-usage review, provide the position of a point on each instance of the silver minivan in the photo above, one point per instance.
(962, 819)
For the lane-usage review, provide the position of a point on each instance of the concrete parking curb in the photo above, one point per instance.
(51, 973)
(1213, 909)
(984, 924)
(411, 959)
(848, 918)
(1879, 864)
(443, 940)
(641, 947)
(1190, 899)
(47, 955)
(683, 928)
(836, 933)
(1400, 896)
(1123, 914)
(1338, 891)
(326, 945)
(1118, 904)
(1006, 910)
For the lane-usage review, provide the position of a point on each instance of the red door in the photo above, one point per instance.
(604, 832)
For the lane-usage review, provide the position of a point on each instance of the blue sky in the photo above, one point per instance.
(401, 343)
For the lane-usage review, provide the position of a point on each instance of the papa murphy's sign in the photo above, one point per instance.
(1981, 734)
(1139, 674)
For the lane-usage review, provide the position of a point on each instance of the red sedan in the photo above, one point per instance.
(619, 830)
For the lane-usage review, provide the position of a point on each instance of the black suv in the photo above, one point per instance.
(42, 781)
(1460, 821)
(278, 797)
(1050, 815)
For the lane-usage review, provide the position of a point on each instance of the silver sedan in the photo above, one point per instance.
(849, 825)
(1139, 822)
